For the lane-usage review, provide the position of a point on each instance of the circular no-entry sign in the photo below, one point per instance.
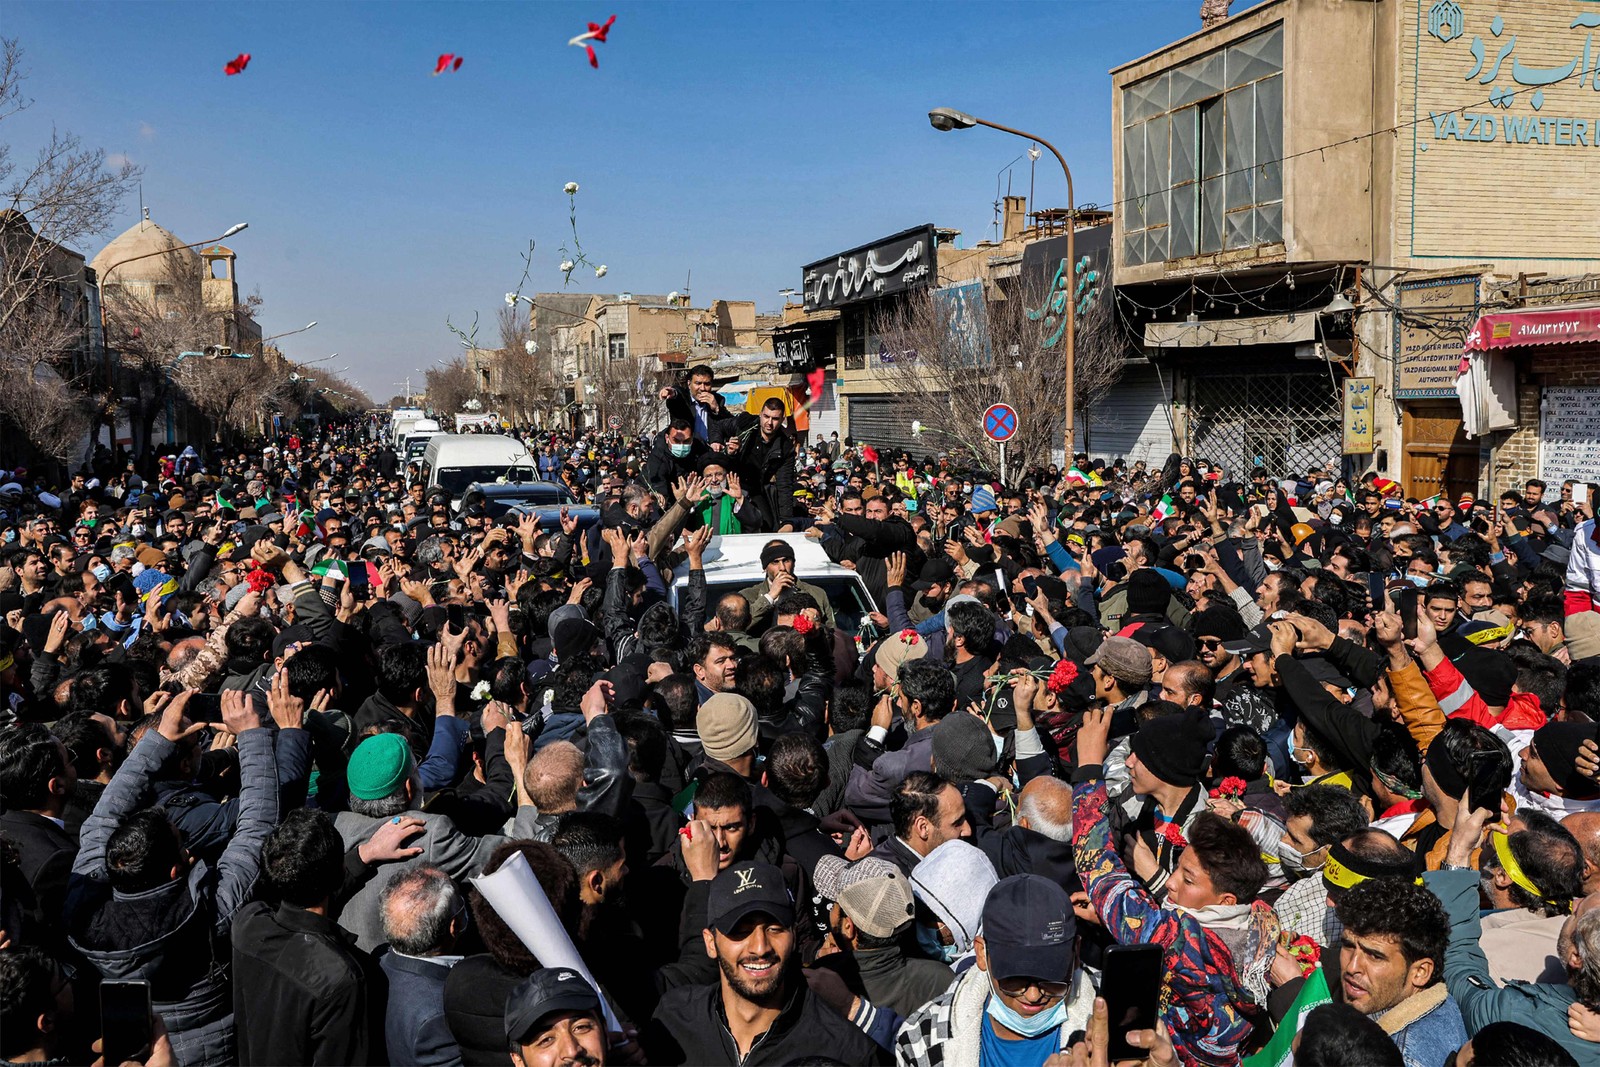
(1000, 422)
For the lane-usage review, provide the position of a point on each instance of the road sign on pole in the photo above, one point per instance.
(615, 422)
(1000, 423)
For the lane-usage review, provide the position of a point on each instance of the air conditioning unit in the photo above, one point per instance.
(1312, 350)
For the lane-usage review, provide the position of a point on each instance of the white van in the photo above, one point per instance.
(733, 563)
(415, 441)
(454, 461)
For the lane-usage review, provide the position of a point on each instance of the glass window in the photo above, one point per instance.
(1255, 57)
(1211, 215)
(1197, 80)
(1239, 104)
(1269, 223)
(1185, 204)
(1241, 228)
(1269, 138)
(617, 345)
(1133, 174)
(1211, 144)
(1133, 248)
(1155, 169)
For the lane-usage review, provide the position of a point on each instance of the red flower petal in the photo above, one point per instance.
(594, 60)
(601, 31)
(237, 64)
(814, 382)
(457, 64)
(444, 62)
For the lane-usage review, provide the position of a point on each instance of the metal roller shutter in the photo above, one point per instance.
(881, 421)
(1284, 418)
(1132, 421)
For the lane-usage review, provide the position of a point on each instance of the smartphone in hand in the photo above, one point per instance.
(1131, 985)
(126, 1024)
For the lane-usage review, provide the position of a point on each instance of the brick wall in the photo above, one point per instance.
(1516, 458)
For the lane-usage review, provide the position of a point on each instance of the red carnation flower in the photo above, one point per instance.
(1174, 835)
(1064, 674)
(259, 581)
(803, 624)
(910, 637)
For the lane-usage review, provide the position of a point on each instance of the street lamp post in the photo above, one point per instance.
(945, 119)
(289, 333)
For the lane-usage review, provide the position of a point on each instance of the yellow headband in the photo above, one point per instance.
(1509, 864)
(1337, 876)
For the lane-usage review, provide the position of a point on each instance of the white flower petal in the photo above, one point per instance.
(600, 271)
(570, 188)
(567, 265)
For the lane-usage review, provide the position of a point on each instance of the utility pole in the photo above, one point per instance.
(407, 384)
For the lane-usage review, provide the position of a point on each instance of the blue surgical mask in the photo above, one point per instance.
(100, 571)
(1027, 1026)
(928, 941)
(679, 451)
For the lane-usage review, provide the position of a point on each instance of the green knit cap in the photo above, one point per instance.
(377, 766)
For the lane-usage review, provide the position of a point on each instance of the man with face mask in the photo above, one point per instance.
(1023, 1000)
(675, 454)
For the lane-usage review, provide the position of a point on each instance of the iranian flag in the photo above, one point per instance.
(1277, 1052)
(334, 567)
(1164, 509)
(1432, 500)
(1076, 477)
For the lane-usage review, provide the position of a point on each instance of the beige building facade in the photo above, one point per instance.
(1314, 191)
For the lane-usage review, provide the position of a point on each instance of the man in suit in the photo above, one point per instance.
(424, 913)
(36, 781)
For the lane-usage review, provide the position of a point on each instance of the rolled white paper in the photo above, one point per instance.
(519, 900)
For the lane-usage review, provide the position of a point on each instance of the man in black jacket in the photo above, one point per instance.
(675, 454)
(765, 460)
(760, 1011)
(313, 997)
(36, 781)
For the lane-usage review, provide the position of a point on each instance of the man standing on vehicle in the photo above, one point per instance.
(702, 405)
(766, 462)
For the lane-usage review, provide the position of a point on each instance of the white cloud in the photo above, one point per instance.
(117, 160)
(147, 132)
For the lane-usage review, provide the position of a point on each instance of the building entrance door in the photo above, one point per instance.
(1438, 458)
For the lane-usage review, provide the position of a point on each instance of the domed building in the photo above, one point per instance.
(149, 269)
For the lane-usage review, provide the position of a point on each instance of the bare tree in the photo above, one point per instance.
(628, 390)
(528, 385)
(449, 388)
(950, 356)
(65, 195)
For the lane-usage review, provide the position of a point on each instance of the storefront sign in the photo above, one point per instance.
(1552, 326)
(1358, 415)
(792, 351)
(894, 264)
(1504, 103)
(1430, 330)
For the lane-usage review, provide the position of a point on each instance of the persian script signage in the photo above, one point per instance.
(1430, 330)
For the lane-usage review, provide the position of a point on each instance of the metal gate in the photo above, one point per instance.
(1287, 421)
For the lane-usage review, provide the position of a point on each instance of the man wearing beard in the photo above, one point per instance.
(553, 1019)
(760, 1010)
(592, 842)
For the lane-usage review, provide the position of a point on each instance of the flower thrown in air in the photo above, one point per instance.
(567, 265)
(237, 64)
(672, 297)
(511, 300)
(596, 32)
(448, 61)
(570, 188)
(916, 428)
(600, 271)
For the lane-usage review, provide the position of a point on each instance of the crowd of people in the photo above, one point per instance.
(1178, 765)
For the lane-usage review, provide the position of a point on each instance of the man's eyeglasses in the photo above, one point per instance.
(1210, 643)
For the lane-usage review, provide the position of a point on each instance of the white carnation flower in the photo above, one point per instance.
(570, 188)
(600, 271)
(566, 265)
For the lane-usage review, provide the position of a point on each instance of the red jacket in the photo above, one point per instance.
(1460, 701)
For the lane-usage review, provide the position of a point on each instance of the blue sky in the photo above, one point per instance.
(736, 140)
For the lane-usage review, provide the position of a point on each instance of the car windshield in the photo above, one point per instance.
(456, 479)
(500, 499)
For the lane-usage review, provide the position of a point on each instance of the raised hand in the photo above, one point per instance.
(238, 713)
(442, 675)
(896, 568)
(287, 710)
(171, 726)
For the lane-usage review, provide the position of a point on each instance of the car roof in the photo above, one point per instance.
(737, 557)
(476, 448)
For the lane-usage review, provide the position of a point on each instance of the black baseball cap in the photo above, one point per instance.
(1256, 639)
(937, 571)
(746, 888)
(1029, 929)
(542, 993)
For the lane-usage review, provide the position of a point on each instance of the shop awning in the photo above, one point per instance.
(1234, 330)
(1545, 326)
